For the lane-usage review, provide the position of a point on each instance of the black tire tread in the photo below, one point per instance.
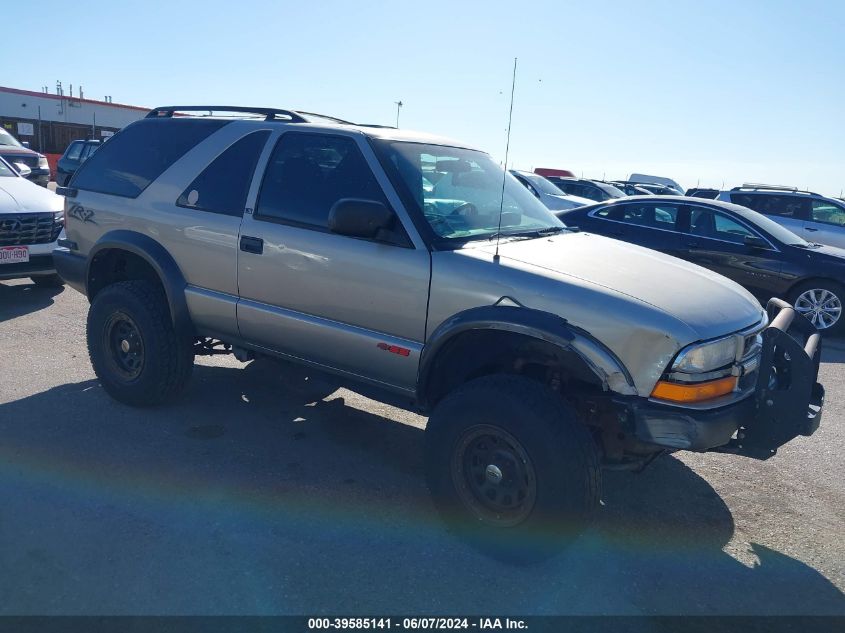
(569, 437)
(175, 356)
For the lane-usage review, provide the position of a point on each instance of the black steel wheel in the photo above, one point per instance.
(135, 350)
(510, 468)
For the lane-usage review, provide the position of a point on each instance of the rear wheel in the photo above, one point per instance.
(821, 302)
(133, 346)
(510, 468)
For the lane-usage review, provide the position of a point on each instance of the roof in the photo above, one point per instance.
(745, 212)
(47, 95)
(305, 119)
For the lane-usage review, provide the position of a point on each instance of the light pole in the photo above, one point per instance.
(399, 105)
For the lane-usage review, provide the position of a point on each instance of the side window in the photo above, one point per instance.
(715, 225)
(657, 216)
(828, 213)
(770, 204)
(571, 188)
(140, 153)
(308, 173)
(89, 149)
(75, 150)
(223, 185)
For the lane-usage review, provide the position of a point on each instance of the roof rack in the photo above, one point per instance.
(761, 187)
(270, 114)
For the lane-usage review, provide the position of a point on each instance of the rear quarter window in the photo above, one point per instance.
(138, 154)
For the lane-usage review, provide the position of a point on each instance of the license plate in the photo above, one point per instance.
(14, 254)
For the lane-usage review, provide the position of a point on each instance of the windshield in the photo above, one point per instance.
(541, 184)
(5, 170)
(8, 139)
(613, 192)
(459, 192)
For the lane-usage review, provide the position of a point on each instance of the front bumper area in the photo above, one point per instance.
(71, 267)
(786, 402)
(36, 266)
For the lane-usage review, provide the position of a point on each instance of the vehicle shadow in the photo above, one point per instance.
(265, 491)
(20, 299)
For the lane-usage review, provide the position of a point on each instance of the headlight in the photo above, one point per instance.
(42, 162)
(705, 357)
(59, 217)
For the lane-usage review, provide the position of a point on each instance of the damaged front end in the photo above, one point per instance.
(788, 399)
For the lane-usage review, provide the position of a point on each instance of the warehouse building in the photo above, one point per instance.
(49, 122)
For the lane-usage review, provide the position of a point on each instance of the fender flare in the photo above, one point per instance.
(154, 254)
(544, 326)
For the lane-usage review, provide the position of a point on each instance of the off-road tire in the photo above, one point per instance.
(167, 358)
(48, 281)
(560, 449)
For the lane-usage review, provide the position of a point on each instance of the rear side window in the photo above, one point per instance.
(768, 204)
(139, 153)
(658, 216)
(223, 185)
(308, 173)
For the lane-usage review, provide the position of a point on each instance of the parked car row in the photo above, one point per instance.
(762, 255)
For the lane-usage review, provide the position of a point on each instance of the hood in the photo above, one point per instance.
(11, 150)
(19, 195)
(707, 303)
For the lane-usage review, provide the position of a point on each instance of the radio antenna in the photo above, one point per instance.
(505, 173)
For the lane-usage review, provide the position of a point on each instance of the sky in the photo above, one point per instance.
(710, 93)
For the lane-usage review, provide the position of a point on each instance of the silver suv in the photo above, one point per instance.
(400, 262)
(810, 215)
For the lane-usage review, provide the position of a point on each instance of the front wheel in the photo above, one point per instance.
(134, 348)
(510, 468)
(821, 302)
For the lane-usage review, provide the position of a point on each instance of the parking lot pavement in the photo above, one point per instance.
(267, 490)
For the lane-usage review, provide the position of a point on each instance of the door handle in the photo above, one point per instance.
(810, 228)
(691, 243)
(252, 244)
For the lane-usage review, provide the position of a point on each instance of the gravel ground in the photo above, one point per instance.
(268, 491)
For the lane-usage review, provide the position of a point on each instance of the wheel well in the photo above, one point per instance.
(479, 353)
(113, 265)
(809, 280)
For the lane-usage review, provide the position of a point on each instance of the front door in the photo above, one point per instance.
(716, 240)
(356, 306)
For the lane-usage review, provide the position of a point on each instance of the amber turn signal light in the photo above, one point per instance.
(698, 392)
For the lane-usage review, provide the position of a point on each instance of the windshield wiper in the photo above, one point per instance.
(549, 230)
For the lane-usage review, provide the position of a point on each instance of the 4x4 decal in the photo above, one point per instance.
(79, 212)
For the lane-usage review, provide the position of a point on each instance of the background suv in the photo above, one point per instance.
(814, 217)
(31, 220)
(15, 152)
(74, 156)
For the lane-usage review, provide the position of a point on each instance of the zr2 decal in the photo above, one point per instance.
(82, 214)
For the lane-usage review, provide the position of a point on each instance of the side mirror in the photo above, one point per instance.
(22, 169)
(25, 144)
(755, 241)
(359, 218)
